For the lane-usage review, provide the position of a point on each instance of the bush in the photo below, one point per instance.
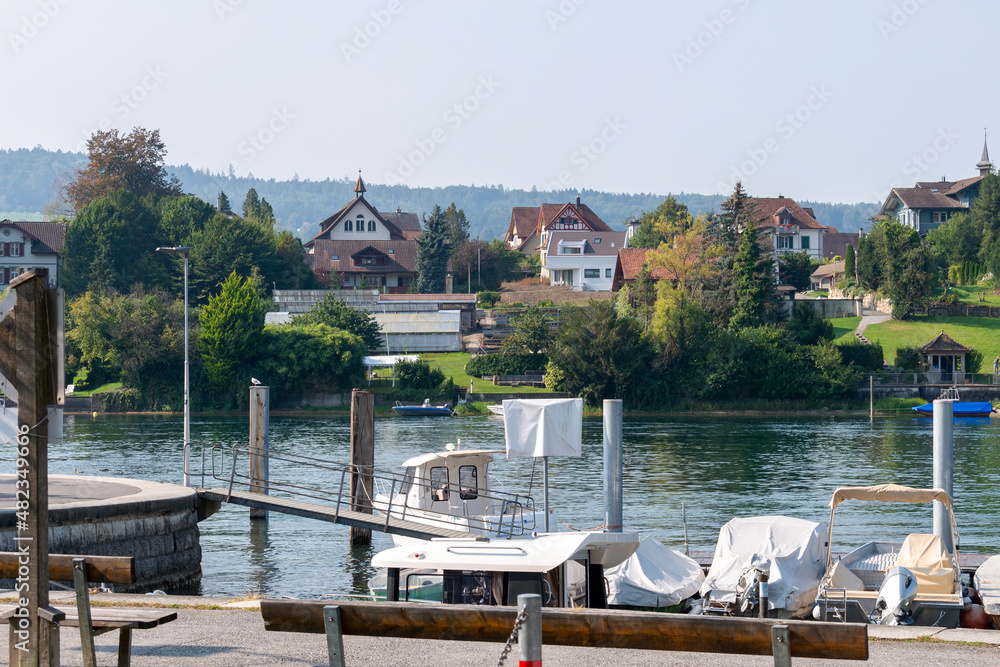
(907, 358)
(488, 299)
(121, 400)
(309, 357)
(868, 357)
(973, 362)
(417, 375)
(505, 364)
(807, 326)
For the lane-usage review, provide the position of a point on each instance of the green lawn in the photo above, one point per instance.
(843, 328)
(970, 294)
(980, 333)
(103, 389)
(452, 364)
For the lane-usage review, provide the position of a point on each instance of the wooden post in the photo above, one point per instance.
(260, 421)
(39, 643)
(362, 458)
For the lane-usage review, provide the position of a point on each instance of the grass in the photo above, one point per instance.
(104, 388)
(843, 328)
(818, 293)
(970, 294)
(452, 364)
(902, 404)
(980, 333)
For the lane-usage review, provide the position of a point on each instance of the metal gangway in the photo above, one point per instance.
(318, 489)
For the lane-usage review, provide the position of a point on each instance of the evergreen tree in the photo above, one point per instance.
(755, 293)
(223, 201)
(722, 235)
(251, 205)
(458, 226)
(433, 253)
(849, 265)
(231, 328)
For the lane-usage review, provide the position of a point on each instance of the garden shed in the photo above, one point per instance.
(943, 354)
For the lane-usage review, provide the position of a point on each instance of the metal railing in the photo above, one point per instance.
(937, 377)
(512, 514)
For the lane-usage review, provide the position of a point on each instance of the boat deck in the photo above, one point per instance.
(968, 563)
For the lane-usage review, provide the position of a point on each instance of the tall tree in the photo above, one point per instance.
(850, 267)
(433, 253)
(333, 312)
(796, 268)
(228, 245)
(661, 225)
(532, 333)
(231, 328)
(755, 294)
(458, 226)
(223, 201)
(132, 162)
(723, 236)
(251, 205)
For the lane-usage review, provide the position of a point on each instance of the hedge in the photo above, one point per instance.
(505, 364)
(868, 357)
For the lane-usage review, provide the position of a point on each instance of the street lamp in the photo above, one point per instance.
(184, 251)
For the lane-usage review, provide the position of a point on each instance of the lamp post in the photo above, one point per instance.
(184, 251)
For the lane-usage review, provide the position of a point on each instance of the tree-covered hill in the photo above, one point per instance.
(29, 179)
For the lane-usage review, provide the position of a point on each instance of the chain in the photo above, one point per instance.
(518, 622)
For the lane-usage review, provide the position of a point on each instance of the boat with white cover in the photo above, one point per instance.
(654, 577)
(916, 581)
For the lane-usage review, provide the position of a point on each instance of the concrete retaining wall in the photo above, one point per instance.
(829, 308)
(929, 392)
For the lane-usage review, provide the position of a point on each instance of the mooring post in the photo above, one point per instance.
(260, 423)
(33, 355)
(944, 464)
(613, 465)
(529, 637)
(362, 458)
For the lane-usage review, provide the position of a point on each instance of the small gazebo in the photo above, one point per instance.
(944, 354)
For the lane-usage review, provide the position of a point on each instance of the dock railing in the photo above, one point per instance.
(509, 514)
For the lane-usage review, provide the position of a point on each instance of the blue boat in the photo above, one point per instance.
(960, 408)
(425, 410)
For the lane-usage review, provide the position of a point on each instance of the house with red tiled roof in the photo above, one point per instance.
(30, 245)
(628, 265)
(928, 205)
(788, 226)
(365, 247)
(584, 261)
(530, 225)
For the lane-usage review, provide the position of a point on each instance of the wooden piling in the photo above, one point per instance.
(260, 421)
(362, 458)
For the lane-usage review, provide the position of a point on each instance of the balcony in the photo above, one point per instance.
(786, 230)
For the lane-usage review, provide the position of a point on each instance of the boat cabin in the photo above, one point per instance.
(451, 482)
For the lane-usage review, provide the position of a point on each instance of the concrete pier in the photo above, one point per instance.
(155, 523)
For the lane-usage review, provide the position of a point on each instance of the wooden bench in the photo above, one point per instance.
(570, 627)
(92, 622)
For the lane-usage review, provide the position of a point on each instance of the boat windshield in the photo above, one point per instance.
(407, 484)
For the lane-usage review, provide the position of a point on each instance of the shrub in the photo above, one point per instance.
(868, 357)
(418, 375)
(907, 358)
(973, 362)
(121, 400)
(488, 299)
(505, 364)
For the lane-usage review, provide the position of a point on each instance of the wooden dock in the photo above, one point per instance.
(342, 515)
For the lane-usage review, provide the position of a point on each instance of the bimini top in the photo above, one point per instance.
(420, 459)
(890, 493)
(539, 554)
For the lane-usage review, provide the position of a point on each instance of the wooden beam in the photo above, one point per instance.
(574, 627)
(100, 569)
(362, 458)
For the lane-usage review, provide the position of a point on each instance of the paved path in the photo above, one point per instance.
(870, 316)
(236, 637)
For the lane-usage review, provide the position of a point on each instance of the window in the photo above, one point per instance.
(349, 226)
(570, 250)
(591, 273)
(940, 216)
(805, 243)
(784, 243)
(607, 273)
(597, 240)
(371, 225)
(439, 483)
(468, 485)
(3, 249)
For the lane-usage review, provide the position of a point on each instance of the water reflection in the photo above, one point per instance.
(719, 467)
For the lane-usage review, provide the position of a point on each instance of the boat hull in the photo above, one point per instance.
(418, 411)
(960, 409)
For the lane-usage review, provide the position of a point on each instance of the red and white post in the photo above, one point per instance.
(529, 638)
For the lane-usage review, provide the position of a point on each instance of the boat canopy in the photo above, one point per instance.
(890, 493)
(420, 459)
(540, 554)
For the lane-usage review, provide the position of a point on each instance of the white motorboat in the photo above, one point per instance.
(790, 551)
(916, 581)
(566, 569)
(654, 577)
(496, 409)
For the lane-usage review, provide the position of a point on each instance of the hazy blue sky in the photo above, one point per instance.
(829, 101)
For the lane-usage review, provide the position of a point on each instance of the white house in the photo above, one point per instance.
(789, 227)
(584, 261)
(30, 245)
(530, 225)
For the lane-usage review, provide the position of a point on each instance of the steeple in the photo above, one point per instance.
(984, 165)
(359, 187)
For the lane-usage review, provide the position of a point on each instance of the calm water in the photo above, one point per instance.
(717, 467)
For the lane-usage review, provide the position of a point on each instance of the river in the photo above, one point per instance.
(717, 467)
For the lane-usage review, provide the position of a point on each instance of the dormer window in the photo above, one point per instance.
(371, 225)
(348, 226)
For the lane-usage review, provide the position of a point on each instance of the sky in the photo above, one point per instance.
(831, 101)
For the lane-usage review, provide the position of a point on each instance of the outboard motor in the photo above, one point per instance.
(747, 587)
(895, 598)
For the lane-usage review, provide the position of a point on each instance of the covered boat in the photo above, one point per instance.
(654, 577)
(790, 551)
(960, 408)
(425, 410)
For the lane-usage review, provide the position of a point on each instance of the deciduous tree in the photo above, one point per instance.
(231, 327)
(333, 312)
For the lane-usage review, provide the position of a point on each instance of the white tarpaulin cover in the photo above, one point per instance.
(792, 552)
(654, 576)
(889, 493)
(543, 427)
(987, 582)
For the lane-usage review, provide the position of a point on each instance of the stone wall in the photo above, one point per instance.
(829, 308)
(879, 303)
